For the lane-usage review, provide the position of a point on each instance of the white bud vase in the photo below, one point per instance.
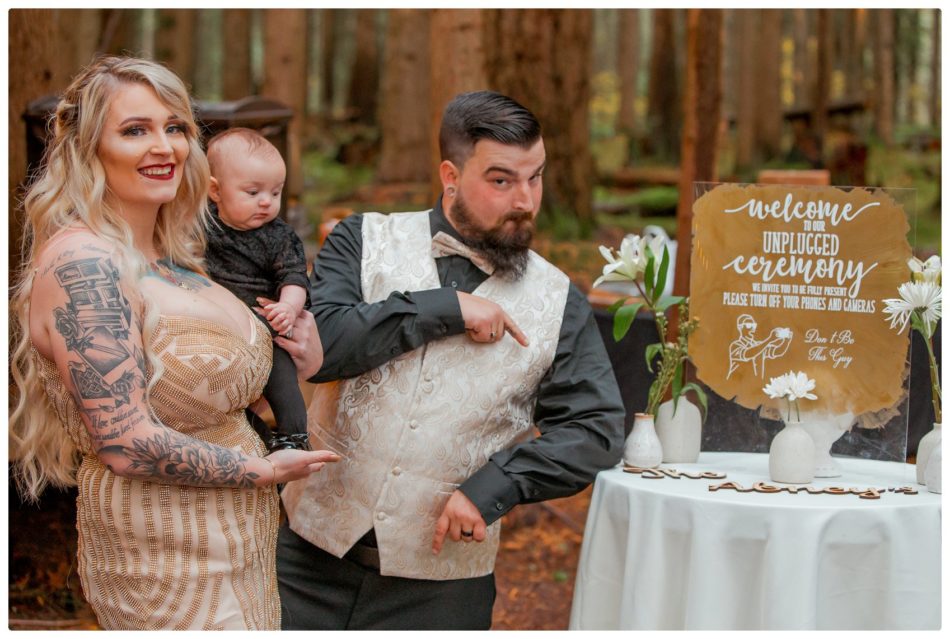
(643, 448)
(824, 433)
(792, 455)
(933, 468)
(680, 431)
(924, 449)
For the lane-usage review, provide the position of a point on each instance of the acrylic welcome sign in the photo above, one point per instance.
(792, 278)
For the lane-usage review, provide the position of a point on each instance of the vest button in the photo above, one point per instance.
(413, 424)
(380, 516)
(397, 471)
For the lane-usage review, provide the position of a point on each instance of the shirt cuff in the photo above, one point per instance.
(492, 492)
(439, 311)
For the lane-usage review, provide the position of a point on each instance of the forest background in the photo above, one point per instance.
(636, 105)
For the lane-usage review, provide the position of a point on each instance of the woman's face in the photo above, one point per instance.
(143, 150)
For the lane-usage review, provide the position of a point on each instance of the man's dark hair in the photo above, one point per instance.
(484, 115)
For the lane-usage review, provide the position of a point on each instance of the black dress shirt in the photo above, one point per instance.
(579, 411)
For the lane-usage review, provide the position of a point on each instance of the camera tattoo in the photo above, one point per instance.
(108, 369)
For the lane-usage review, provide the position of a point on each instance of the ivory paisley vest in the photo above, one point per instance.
(412, 430)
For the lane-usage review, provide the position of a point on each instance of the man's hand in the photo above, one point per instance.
(459, 516)
(487, 322)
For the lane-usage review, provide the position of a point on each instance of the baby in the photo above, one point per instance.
(255, 255)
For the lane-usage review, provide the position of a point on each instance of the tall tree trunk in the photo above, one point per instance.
(120, 32)
(538, 54)
(236, 71)
(77, 39)
(364, 81)
(208, 62)
(746, 29)
(822, 86)
(328, 24)
(802, 69)
(404, 113)
(175, 41)
(662, 112)
(457, 64)
(285, 79)
(628, 68)
(912, 91)
(769, 94)
(701, 118)
(935, 69)
(34, 71)
(884, 74)
(856, 76)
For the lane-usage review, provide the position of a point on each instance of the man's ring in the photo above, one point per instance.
(467, 533)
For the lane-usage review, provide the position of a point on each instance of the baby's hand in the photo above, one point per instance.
(280, 316)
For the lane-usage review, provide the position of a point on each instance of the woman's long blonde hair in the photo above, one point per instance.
(71, 190)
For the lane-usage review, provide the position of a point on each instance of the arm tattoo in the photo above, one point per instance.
(173, 457)
(95, 324)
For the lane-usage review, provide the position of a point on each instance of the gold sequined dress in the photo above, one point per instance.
(159, 556)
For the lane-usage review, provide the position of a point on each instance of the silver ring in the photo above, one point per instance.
(467, 533)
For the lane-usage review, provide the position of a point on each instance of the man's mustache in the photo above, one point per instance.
(516, 216)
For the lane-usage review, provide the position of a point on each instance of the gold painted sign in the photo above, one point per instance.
(792, 278)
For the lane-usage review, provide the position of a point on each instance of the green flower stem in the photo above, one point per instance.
(934, 380)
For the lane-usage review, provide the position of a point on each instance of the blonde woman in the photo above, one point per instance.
(133, 368)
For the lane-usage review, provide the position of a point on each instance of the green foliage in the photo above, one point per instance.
(672, 356)
(562, 225)
(912, 169)
(327, 181)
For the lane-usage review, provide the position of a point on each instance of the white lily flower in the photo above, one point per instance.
(922, 297)
(928, 271)
(626, 265)
(656, 244)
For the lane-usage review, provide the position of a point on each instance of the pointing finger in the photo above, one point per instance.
(440, 529)
(515, 331)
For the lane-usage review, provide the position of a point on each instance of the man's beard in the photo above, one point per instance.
(507, 252)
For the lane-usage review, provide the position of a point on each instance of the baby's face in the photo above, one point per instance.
(248, 193)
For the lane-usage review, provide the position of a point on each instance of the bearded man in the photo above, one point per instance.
(445, 341)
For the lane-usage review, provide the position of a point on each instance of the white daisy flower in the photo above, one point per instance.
(923, 298)
(799, 386)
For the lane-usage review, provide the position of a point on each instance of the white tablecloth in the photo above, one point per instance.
(670, 554)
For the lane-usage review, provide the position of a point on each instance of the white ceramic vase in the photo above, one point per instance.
(642, 448)
(933, 473)
(680, 431)
(924, 449)
(792, 455)
(824, 433)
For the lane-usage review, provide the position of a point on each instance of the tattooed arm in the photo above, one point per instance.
(95, 338)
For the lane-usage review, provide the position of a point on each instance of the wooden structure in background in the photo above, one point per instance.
(702, 106)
